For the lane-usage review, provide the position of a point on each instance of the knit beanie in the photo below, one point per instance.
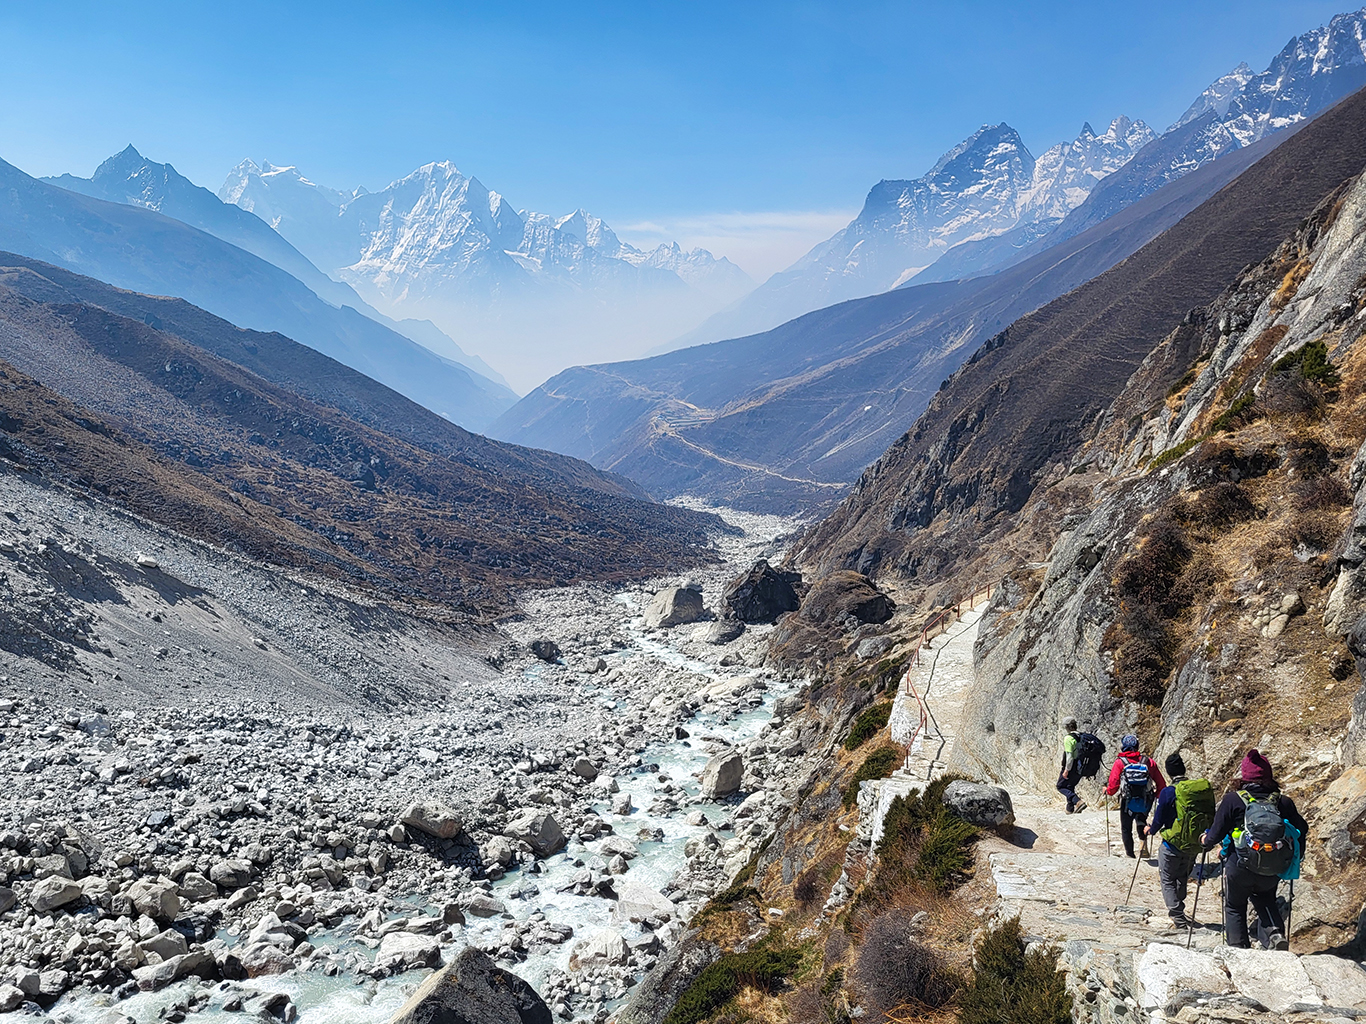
(1256, 768)
(1175, 766)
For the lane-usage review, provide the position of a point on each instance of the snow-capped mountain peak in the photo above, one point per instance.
(1065, 174)
(1218, 95)
(439, 244)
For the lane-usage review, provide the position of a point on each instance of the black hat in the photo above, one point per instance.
(1175, 766)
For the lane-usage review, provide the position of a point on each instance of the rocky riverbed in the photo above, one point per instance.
(190, 829)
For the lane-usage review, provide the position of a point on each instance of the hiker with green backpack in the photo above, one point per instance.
(1262, 835)
(1184, 811)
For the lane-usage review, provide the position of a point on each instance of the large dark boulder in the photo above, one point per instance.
(846, 593)
(760, 594)
(546, 650)
(473, 990)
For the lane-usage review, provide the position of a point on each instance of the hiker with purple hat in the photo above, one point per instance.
(1262, 834)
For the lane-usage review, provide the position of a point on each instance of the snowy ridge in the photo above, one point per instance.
(439, 244)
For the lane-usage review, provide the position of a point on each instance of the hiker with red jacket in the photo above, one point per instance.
(1262, 834)
(1136, 779)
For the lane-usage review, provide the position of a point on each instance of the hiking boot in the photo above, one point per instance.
(1277, 941)
(1069, 808)
(1081, 806)
(1183, 923)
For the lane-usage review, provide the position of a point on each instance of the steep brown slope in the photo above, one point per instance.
(200, 444)
(305, 371)
(1023, 403)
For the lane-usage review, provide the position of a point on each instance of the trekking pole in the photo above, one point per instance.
(1108, 848)
(1289, 909)
(1137, 862)
(1223, 918)
(1199, 880)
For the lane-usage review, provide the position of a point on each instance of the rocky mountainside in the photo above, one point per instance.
(881, 249)
(1001, 424)
(438, 244)
(788, 418)
(142, 250)
(176, 428)
(987, 185)
(129, 177)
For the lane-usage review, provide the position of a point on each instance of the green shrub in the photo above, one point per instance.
(868, 725)
(764, 969)
(1312, 362)
(1011, 986)
(923, 840)
(879, 764)
(1236, 415)
(736, 893)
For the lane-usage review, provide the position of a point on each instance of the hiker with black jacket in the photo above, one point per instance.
(1254, 825)
(1135, 778)
(1184, 810)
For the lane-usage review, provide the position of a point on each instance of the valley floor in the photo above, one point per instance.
(180, 720)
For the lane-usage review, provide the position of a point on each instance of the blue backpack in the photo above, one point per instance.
(1138, 786)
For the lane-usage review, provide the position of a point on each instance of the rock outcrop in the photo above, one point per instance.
(722, 774)
(983, 806)
(759, 595)
(472, 990)
(674, 606)
(844, 595)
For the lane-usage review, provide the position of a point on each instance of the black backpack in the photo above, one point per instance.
(1262, 844)
(1090, 754)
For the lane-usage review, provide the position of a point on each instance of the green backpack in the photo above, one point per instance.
(1194, 814)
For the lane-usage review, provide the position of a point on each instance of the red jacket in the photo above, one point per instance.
(1126, 757)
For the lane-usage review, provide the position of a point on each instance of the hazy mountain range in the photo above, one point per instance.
(543, 291)
(140, 249)
(778, 418)
(988, 204)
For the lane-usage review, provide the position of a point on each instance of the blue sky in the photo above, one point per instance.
(754, 128)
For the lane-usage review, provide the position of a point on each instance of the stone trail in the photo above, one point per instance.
(1067, 883)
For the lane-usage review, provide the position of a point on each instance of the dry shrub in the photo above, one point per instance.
(893, 969)
(836, 946)
(1308, 456)
(1319, 530)
(808, 1005)
(1147, 576)
(1220, 507)
(806, 889)
(1292, 396)
(1221, 462)
(1320, 492)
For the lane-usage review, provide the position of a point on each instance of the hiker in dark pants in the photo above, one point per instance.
(1135, 778)
(1185, 809)
(1070, 774)
(1241, 882)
